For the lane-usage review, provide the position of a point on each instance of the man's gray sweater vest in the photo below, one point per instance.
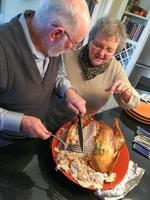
(22, 89)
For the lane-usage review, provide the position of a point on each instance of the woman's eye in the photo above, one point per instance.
(110, 50)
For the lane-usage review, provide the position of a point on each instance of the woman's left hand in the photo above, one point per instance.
(119, 87)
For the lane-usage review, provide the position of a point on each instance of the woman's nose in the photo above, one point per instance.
(102, 52)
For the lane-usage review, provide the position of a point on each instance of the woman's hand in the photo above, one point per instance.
(75, 102)
(34, 128)
(119, 87)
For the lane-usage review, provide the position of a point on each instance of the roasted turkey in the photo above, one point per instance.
(103, 142)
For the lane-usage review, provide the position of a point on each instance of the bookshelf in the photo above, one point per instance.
(135, 25)
(138, 29)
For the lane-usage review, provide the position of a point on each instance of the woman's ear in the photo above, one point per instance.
(56, 34)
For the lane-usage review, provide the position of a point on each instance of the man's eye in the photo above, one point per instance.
(98, 45)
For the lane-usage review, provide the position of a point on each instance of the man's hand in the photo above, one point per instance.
(119, 87)
(75, 102)
(34, 128)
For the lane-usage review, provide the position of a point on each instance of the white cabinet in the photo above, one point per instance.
(138, 28)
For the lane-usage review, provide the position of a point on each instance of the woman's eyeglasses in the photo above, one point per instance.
(100, 47)
(75, 46)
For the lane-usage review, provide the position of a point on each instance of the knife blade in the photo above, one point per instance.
(80, 132)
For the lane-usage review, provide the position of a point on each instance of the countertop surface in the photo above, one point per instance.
(27, 169)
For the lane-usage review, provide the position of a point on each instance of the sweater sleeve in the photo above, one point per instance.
(62, 83)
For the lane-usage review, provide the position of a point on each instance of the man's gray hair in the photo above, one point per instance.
(110, 27)
(58, 12)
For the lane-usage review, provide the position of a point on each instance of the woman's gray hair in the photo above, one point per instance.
(59, 12)
(110, 27)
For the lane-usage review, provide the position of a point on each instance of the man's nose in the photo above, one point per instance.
(69, 45)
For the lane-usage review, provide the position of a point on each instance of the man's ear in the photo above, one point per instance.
(56, 34)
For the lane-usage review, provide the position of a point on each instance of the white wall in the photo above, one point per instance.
(101, 9)
(144, 57)
(117, 8)
(145, 4)
(10, 8)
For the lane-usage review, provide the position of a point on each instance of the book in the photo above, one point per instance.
(141, 149)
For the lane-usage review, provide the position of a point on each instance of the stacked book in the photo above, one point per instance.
(141, 142)
(134, 29)
(145, 97)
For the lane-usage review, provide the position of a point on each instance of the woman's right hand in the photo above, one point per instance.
(121, 88)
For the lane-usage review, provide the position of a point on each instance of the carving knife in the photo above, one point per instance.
(80, 132)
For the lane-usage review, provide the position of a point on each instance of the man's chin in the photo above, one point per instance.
(55, 54)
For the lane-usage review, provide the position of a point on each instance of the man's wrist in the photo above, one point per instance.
(71, 88)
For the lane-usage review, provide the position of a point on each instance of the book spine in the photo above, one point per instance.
(138, 147)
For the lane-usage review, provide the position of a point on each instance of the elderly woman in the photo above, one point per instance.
(95, 73)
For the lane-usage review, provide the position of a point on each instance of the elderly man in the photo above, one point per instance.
(31, 65)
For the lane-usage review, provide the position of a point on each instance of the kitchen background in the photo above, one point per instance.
(135, 57)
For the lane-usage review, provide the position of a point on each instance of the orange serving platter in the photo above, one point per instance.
(137, 117)
(143, 109)
(120, 167)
